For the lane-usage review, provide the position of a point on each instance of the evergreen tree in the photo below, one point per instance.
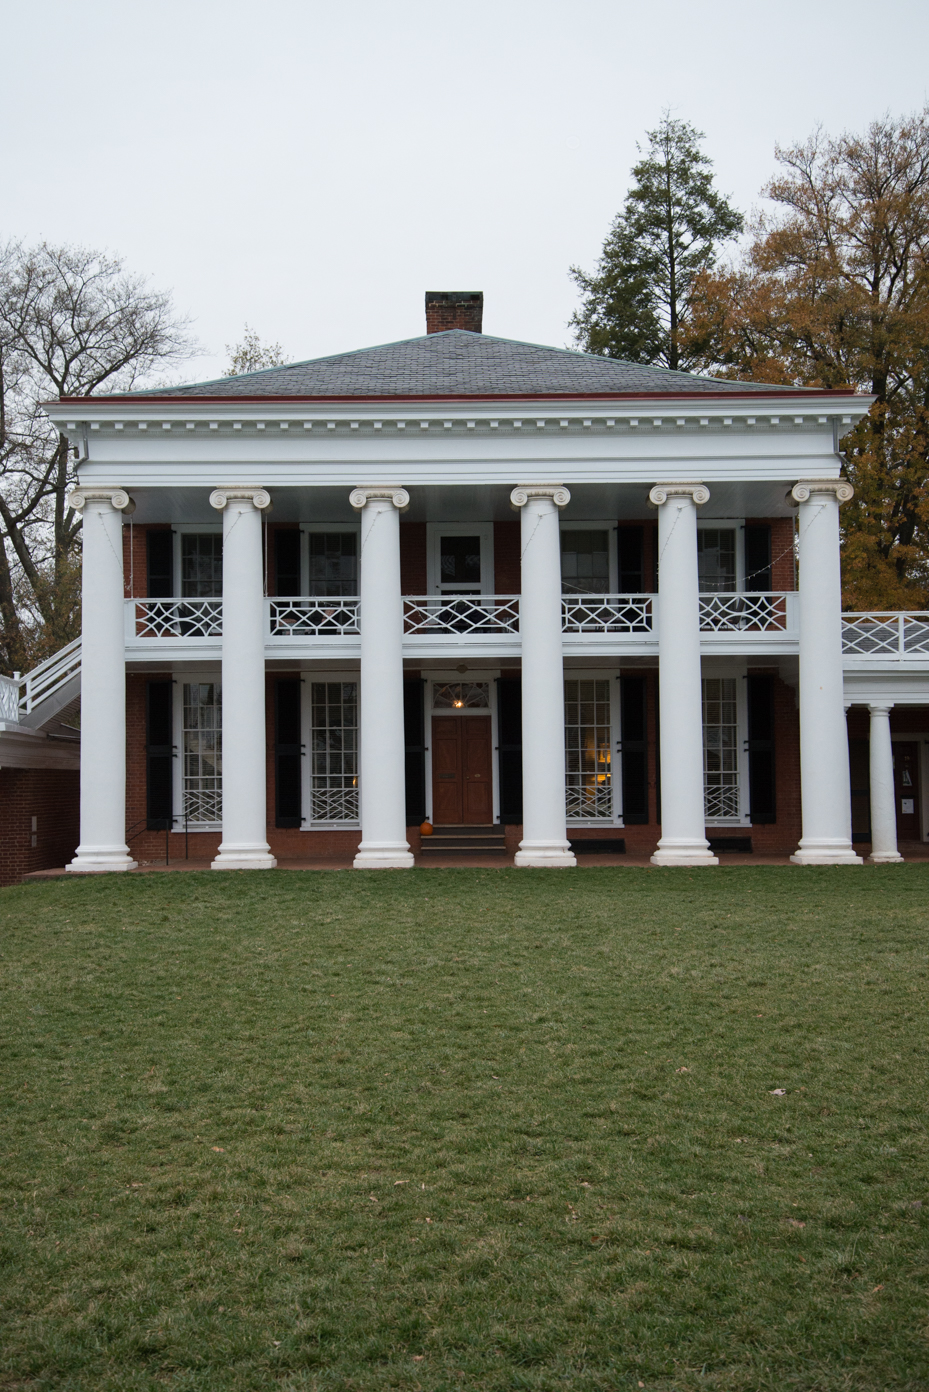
(637, 303)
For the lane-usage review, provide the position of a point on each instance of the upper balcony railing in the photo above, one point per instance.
(481, 616)
(894, 635)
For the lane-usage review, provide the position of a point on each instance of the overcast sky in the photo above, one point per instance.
(313, 166)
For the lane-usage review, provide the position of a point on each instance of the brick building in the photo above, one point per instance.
(530, 597)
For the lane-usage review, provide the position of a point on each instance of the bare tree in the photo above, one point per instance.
(72, 321)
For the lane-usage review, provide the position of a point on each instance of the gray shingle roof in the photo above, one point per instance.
(458, 363)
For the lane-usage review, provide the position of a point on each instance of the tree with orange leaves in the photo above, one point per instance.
(834, 291)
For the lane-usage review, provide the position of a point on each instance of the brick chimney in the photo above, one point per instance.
(454, 309)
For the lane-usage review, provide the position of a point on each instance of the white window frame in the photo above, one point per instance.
(569, 525)
(739, 671)
(601, 674)
(307, 679)
(180, 679)
(435, 531)
(305, 529)
(189, 528)
(729, 524)
(438, 678)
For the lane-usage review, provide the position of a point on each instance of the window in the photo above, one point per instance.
(585, 562)
(202, 771)
(201, 565)
(461, 696)
(588, 768)
(716, 559)
(334, 747)
(460, 564)
(721, 749)
(333, 566)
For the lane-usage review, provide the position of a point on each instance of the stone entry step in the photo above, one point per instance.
(465, 840)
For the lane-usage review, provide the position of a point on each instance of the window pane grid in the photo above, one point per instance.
(721, 748)
(716, 559)
(585, 562)
(334, 752)
(333, 564)
(588, 756)
(461, 696)
(202, 771)
(201, 565)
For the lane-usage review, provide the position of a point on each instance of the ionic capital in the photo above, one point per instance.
(260, 498)
(555, 492)
(801, 492)
(360, 497)
(117, 498)
(663, 491)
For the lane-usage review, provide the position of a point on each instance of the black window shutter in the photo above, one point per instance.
(634, 750)
(414, 749)
(657, 752)
(160, 558)
(761, 771)
(159, 753)
(510, 750)
(859, 768)
(288, 800)
(630, 551)
(757, 556)
(286, 563)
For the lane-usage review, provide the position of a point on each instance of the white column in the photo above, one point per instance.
(103, 683)
(244, 845)
(883, 800)
(683, 814)
(545, 832)
(382, 767)
(825, 787)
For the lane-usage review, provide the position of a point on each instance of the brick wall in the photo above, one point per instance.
(507, 578)
(782, 551)
(52, 796)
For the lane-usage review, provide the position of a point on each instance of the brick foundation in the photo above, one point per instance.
(52, 796)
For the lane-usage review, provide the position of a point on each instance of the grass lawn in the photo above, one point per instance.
(466, 1129)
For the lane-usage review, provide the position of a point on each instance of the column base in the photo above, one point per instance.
(101, 860)
(384, 855)
(684, 853)
(825, 853)
(256, 857)
(885, 858)
(544, 855)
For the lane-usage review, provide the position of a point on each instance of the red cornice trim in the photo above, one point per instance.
(800, 393)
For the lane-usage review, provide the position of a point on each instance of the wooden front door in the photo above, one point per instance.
(906, 789)
(462, 771)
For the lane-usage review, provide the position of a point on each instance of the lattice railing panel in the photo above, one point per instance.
(741, 613)
(9, 699)
(177, 618)
(335, 804)
(313, 618)
(203, 805)
(606, 613)
(880, 634)
(586, 803)
(722, 802)
(482, 614)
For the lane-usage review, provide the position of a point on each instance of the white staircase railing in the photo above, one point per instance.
(49, 677)
(9, 699)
